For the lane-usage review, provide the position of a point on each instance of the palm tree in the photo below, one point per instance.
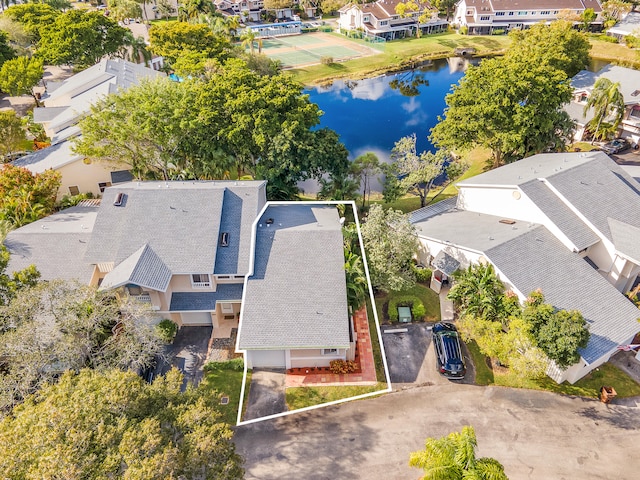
(356, 281)
(247, 39)
(135, 49)
(191, 10)
(454, 458)
(608, 103)
(479, 292)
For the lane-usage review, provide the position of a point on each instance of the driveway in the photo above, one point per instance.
(266, 394)
(411, 358)
(188, 353)
(535, 435)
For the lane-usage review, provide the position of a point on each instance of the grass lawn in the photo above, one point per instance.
(225, 379)
(589, 386)
(375, 344)
(400, 54)
(614, 52)
(301, 397)
(429, 298)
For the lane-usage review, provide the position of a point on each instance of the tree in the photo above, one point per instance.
(33, 16)
(559, 333)
(165, 8)
(57, 326)
(479, 292)
(613, 11)
(408, 8)
(511, 108)
(114, 425)
(454, 458)
(192, 9)
(26, 197)
(390, 243)
(20, 75)
(357, 286)
(6, 52)
(275, 5)
(587, 18)
(80, 38)
(366, 166)
(11, 284)
(12, 133)
(608, 104)
(135, 49)
(445, 5)
(174, 39)
(121, 9)
(330, 6)
(248, 39)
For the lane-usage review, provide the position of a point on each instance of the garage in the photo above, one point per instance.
(266, 358)
(196, 318)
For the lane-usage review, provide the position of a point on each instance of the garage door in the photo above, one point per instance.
(267, 358)
(196, 318)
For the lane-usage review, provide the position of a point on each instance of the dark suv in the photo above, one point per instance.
(448, 352)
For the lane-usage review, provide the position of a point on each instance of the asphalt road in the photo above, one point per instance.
(535, 435)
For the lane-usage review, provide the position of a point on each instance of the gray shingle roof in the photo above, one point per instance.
(56, 245)
(296, 297)
(628, 78)
(626, 238)
(52, 157)
(431, 210)
(560, 214)
(205, 301)
(143, 268)
(180, 221)
(538, 260)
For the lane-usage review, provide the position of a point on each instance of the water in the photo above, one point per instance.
(370, 115)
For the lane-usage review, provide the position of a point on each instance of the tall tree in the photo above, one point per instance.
(390, 244)
(80, 38)
(175, 39)
(6, 52)
(607, 102)
(11, 284)
(20, 75)
(587, 18)
(613, 11)
(454, 458)
(114, 425)
(12, 133)
(192, 9)
(366, 167)
(357, 286)
(33, 16)
(121, 9)
(445, 6)
(135, 50)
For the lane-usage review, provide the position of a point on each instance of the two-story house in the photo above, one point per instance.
(381, 19)
(482, 17)
(565, 223)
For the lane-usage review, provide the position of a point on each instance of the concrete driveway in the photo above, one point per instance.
(535, 435)
(411, 358)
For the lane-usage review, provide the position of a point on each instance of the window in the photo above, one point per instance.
(365, 18)
(200, 280)
(499, 14)
(329, 351)
(103, 185)
(556, 12)
(635, 112)
(74, 190)
(384, 22)
(545, 12)
(522, 13)
(484, 18)
(510, 13)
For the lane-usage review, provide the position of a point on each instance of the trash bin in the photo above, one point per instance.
(607, 394)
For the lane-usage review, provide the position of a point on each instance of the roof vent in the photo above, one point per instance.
(507, 221)
(224, 239)
(635, 93)
(269, 221)
(119, 200)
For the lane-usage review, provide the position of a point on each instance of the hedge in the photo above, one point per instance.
(418, 311)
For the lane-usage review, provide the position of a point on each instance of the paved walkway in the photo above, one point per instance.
(364, 356)
(446, 306)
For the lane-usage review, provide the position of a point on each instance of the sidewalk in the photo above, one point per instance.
(364, 356)
(446, 306)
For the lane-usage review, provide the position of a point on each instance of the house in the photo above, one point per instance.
(254, 11)
(629, 80)
(380, 19)
(66, 103)
(629, 25)
(482, 17)
(295, 311)
(202, 252)
(565, 223)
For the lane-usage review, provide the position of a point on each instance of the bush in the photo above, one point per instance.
(606, 38)
(423, 275)
(498, 31)
(463, 30)
(342, 366)
(235, 365)
(167, 329)
(418, 309)
(326, 60)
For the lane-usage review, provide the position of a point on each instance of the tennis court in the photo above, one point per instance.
(309, 48)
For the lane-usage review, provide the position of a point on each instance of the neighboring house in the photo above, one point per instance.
(254, 11)
(482, 17)
(629, 25)
(295, 311)
(66, 103)
(565, 223)
(380, 19)
(201, 252)
(583, 84)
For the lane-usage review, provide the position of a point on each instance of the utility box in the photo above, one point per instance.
(404, 314)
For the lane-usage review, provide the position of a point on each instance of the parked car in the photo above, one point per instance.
(449, 359)
(616, 146)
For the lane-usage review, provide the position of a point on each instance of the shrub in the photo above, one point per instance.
(418, 309)
(235, 365)
(463, 30)
(606, 38)
(498, 31)
(423, 275)
(167, 329)
(73, 200)
(326, 60)
(342, 366)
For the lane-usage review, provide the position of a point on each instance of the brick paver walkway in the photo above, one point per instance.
(364, 357)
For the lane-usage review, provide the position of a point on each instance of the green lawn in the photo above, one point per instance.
(375, 344)
(429, 298)
(401, 54)
(614, 52)
(301, 397)
(225, 379)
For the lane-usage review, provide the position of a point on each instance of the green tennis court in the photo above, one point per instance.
(310, 48)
